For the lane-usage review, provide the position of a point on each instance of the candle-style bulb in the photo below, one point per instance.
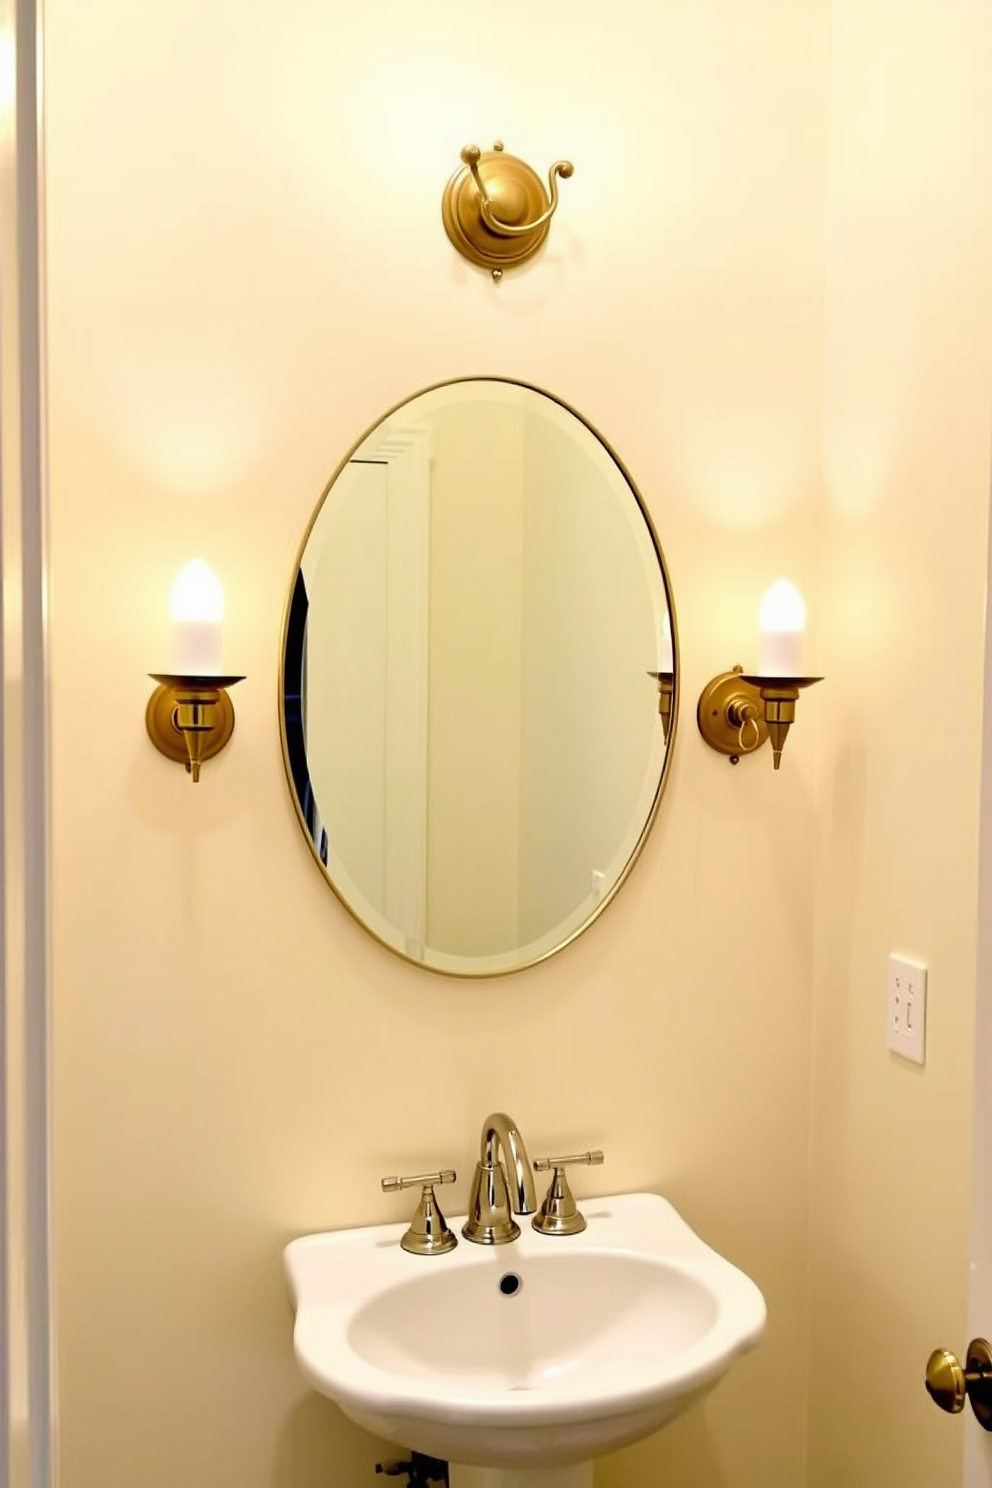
(782, 621)
(196, 605)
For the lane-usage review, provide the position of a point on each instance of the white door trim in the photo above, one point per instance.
(978, 1443)
(27, 1454)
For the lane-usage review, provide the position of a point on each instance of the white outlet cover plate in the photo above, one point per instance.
(906, 1008)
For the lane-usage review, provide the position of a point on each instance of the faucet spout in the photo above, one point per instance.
(501, 1136)
(503, 1181)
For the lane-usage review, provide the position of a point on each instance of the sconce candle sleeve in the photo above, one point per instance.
(780, 653)
(196, 648)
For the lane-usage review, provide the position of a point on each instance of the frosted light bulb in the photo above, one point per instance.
(196, 605)
(196, 593)
(782, 621)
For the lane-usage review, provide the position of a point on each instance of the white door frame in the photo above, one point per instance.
(26, 1388)
(978, 1443)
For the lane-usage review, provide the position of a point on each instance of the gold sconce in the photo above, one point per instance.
(495, 208)
(739, 710)
(190, 717)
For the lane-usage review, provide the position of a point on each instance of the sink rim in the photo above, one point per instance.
(644, 1226)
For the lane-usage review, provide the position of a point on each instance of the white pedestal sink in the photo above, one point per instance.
(519, 1364)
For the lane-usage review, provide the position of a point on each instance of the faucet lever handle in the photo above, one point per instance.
(559, 1214)
(392, 1185)
(590, 1159)
(428, 1233)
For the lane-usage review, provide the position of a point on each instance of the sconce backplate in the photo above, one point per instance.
(166, 735)
(718, 715)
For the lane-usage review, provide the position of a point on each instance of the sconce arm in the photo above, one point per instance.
(778, 697)
(738, 706)
(190, 719)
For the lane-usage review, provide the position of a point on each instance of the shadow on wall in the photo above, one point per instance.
(318, 1447)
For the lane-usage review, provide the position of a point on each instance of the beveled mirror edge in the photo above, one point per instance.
(482, 973)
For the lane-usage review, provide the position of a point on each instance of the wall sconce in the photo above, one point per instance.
(739, 710)
(190, 717)
(495, 209)
(665, 678)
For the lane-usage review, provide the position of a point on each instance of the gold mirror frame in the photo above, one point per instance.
(668, 705)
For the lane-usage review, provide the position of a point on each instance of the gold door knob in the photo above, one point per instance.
(946, 1384)
(949, 1385)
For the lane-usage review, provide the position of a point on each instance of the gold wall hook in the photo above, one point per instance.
(495, 209)
(190, 719)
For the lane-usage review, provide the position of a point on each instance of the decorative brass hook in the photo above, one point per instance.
(471, 155)
(495, 209)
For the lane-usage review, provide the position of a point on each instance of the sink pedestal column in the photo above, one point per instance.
(578, 1476)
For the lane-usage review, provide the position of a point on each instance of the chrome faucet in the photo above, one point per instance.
(503, 1180)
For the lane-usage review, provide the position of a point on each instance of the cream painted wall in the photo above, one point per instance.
(246, 266)
(908, 418)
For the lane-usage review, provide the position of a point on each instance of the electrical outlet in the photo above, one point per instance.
(907, 1009)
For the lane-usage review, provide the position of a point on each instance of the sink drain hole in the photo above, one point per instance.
(510, 1284)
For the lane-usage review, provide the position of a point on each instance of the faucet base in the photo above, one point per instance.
(491, 1234)
(490, 1221)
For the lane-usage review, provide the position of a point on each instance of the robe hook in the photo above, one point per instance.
(495, 209)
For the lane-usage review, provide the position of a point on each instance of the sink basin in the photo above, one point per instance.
(547, 1351)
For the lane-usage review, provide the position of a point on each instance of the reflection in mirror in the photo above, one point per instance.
(470, 678)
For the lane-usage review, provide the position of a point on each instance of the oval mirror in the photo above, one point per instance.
(478, 689)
